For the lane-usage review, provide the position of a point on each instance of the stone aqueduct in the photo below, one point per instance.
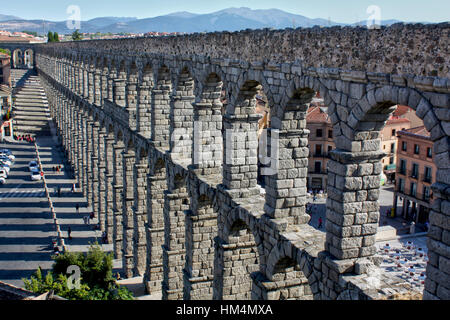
(200, 229)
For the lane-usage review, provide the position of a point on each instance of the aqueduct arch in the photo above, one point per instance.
(178, 81)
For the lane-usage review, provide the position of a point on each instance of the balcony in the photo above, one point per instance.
(413, 174)
(425, 178)
(321, 155)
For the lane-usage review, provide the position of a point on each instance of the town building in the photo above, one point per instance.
(5, 69)
(6, 123)
(415, 173)
(389, 143)
(320, 144)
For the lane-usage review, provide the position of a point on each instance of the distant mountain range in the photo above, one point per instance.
(231, 19)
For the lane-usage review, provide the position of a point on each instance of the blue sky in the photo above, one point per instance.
(336, 10)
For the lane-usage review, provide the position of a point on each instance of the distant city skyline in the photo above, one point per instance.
(349, 12)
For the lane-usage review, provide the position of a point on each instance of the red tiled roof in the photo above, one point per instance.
(315, 114)
(394, 120)
(417, 131)
(401, 110)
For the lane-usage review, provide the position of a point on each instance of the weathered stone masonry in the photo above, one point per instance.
(189, 216)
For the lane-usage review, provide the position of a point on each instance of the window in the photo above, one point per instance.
(415, 170)
(429, 153)
(413, 189)
(402, 166)
(319, 133)
(318, 150)
(330, 148)
(426, 193)
(393, 147)
(404, 146)
(317, 166)
(393, 132)
(427, 176)
(330, 134)
(416, 149)
(401, 185)
(391, 160)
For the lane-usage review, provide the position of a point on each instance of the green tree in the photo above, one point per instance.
(76, 35)
(96, 283)
(50, 37)
(5, 51)
(56, 37)
(33, 33)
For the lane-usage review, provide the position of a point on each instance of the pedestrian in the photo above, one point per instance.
(59, 191)
(88, 219)
(73, 188)
(427, 226)
(85, 219)
(92, 215)
(69, 232)
(412, 228)
(77, 206)
(320, 222)
(53, 169)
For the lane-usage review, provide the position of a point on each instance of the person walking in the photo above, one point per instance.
(73, 188)
(59, 191)
(320, 222)
(69, 232)
(77, 206)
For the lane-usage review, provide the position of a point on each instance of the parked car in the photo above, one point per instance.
(36, 176)
(6, 160)
(5, 167)
(33, 164)
(34, 169)
(7, 152)
(9, 156)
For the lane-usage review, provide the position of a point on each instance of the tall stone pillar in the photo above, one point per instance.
(88, 160)
(109, 186)
(95, 169)
(129, 161)
(201, 230)
(117, 199)
(182, 119)
(104, 84)
(84, 155)
(85, 71)
(156, 186)
(208, 140)
(143, 117)
(160, 114)
(139, 209)
(91, 85)
(119, 92)
(286, 164)
(240, 161)
(112, 75)
(97, 87)
(102, 134)
(176, 205)
(131, 96)
(352, 203)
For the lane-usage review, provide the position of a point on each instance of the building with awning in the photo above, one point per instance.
(6, 123)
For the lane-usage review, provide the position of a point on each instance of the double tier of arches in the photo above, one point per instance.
(188, 216)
